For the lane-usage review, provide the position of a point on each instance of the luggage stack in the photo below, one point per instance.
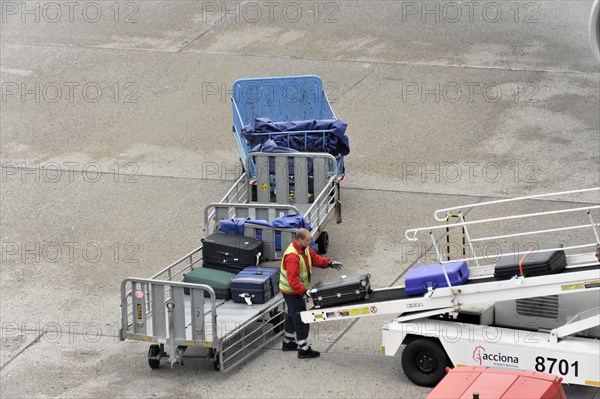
(340, 291)
(532, 263)
(421, 279)
(230, 253)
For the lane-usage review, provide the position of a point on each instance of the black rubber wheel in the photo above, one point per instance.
(153, 351)
(216, 364)
(424, 362)
(323, 242)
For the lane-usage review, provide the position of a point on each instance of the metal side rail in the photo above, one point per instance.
(306, 184)
(395, 300)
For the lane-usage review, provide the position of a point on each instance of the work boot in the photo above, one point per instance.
(289, 346)
(308, 354)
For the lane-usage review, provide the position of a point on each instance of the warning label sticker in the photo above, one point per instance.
(580, 286)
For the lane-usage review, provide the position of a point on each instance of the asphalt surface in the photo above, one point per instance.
(115, 133)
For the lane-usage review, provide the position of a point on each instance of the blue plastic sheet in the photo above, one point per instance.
(334, 142)
(295, 221)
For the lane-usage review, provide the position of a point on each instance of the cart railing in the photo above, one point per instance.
(164, 301)
(215, 213)
(290, 183)
(287, 178)
(251, 336)
(459, 212)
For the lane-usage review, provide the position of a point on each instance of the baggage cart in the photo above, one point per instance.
(157, 310)
(314, 193)
(281, 99)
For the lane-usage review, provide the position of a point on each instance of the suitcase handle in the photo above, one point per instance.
(248, 298)
(523, 260)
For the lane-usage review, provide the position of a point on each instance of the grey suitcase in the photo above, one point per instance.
(340, 291)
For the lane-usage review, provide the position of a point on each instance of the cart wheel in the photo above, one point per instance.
(216, 364)
(153, 352)
(323, 242)
(424, 362)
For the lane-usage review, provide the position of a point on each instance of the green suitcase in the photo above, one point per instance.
(220, 281)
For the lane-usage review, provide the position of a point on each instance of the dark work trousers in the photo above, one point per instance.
(293, 322)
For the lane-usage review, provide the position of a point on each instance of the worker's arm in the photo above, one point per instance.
(319, 261)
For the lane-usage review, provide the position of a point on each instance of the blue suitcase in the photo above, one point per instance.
(421, 279)
(273, 272)
(251, 289)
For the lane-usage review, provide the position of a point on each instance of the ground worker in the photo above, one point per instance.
(294, 284)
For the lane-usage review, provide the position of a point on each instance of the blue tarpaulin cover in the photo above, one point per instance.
(236, 226)
(336, 141)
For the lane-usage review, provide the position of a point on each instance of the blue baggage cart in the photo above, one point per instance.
(282, 99)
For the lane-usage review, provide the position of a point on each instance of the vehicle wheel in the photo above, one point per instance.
(153, 351)
(323, 242)
(424, 362)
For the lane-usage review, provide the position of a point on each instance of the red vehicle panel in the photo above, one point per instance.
(464, 382)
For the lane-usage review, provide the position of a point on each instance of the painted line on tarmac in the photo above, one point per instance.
(35, 341)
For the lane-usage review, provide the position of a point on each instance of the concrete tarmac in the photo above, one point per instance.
(115, 133)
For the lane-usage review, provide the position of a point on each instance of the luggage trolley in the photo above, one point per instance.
(158, 310)
(281, 99)
(314, 193)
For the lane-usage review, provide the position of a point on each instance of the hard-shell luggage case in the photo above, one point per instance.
(532, 262)
(421, 279)
(231, 252)
(220, 281)
(251, 289)
(342, 290)
(273, 272)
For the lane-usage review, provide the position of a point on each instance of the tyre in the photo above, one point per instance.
(216, 363)
(424, 362)
(153, 352)
(323, 242)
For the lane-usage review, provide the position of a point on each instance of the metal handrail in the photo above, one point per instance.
(480, 204)
(583, 226)
(411, 233)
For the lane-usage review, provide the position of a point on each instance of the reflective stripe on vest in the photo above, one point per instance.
(283, 280)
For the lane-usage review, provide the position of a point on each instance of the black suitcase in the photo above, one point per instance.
(341, 290)
(534, 263)
(229, 252)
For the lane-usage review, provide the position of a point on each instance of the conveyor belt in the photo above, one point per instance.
(398, 293)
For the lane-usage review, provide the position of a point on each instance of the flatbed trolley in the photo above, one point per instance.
(306, 184)
(157, 310)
